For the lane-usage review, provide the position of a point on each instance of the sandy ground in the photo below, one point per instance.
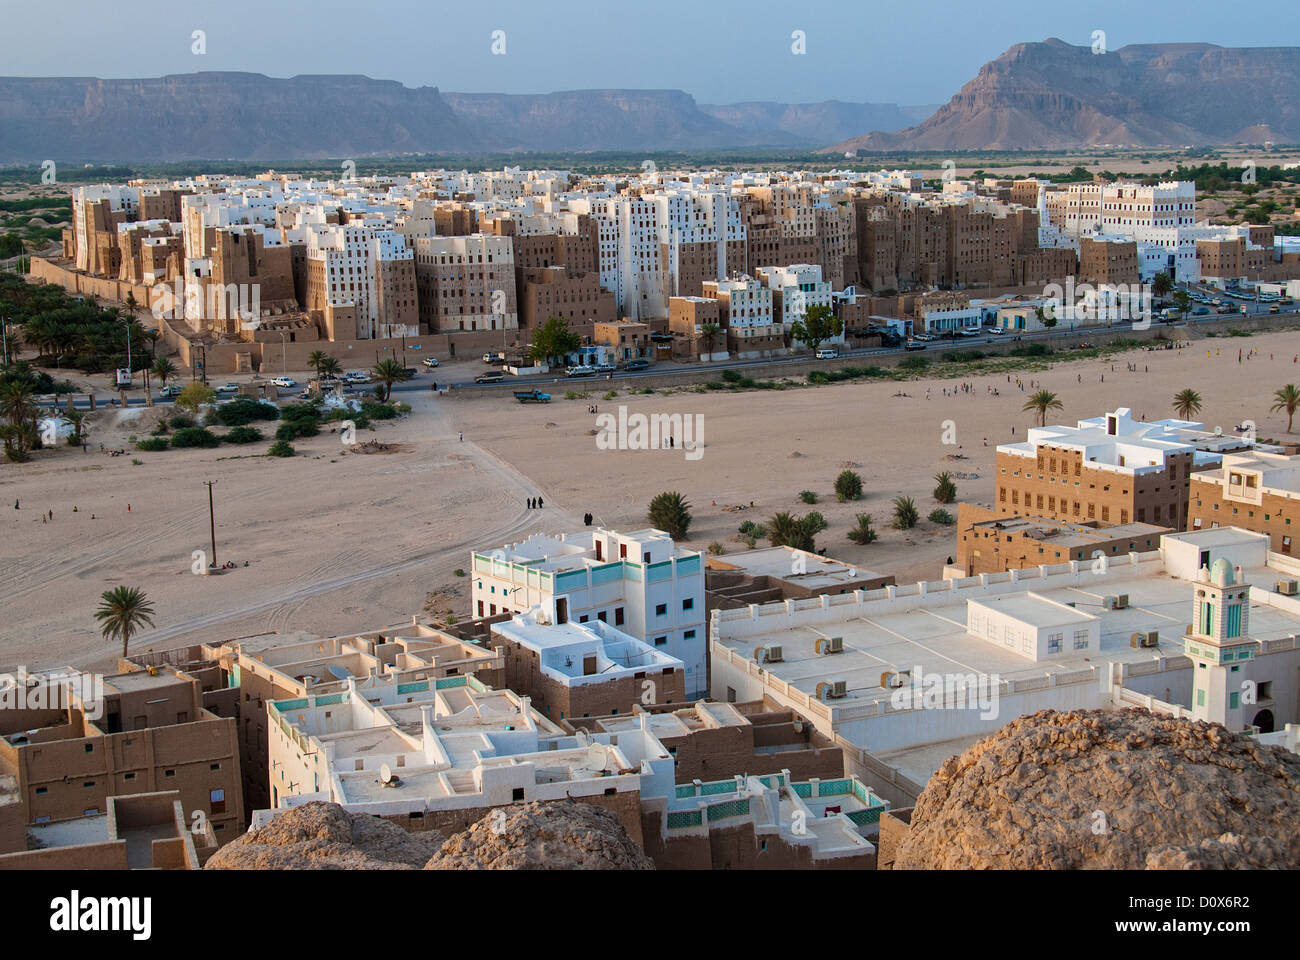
(347, 542)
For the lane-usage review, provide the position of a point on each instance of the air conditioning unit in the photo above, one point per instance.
(891, 680)
(1121, 602)
(1146, 638)
(826, 645)
(1108, 602)
(1288, 588)
(839, 689)
(768, 654)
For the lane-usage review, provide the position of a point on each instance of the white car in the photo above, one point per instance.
(430, 361)
(286, 382)
(357, 376)
(228, 388)
(828, 353)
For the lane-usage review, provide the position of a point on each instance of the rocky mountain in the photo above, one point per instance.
(1115, 790)
(248, 116)
(815, 123)
(1053, 95)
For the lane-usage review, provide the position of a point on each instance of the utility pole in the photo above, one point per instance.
(212, 522)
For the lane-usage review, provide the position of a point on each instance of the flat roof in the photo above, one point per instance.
(1032, 609)
(777, 562)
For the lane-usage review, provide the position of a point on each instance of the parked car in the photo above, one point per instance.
(494, 356)
(228, 388)
(357, 376)
(970, 331)
(636, 365)
(489, 378)
(430, 362)
(532, 396)
(606, 367)
(1200, 311)
(411, 371)
(1274, 308)
(828, 353)
(286, 382)
(913, 345)
(582, 370)
(171, 390)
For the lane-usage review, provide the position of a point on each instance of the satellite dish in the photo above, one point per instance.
(596, 757)
(385, 774)
(338, 672)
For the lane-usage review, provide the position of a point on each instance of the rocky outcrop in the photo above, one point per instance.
(324, 836)
(1109, 790)
(543, 836)
(1053, 95)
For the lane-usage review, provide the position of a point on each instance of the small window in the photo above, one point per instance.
(660, 641)
(169, 773)
(517, 794)
(90, 748)
(42, 790)
(661, 609)
(688, 635)
(688, 603)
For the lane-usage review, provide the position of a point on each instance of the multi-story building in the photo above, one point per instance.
(466, 283)
(367, 268)
(639, 582)
(142, 732)
(796, 288)
(1111, 469)
(97, 212)
(1255, 490)
(745, 308)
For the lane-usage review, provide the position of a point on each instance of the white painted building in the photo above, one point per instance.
(640, 582)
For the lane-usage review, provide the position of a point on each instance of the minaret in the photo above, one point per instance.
(1218, 644)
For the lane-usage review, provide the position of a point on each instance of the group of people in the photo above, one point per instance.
(536, 503)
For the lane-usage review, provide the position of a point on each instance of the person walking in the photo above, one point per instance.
(462, 438)
(539, 503)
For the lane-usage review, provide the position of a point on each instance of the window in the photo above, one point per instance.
(517, 794)
(1200, 697)
(661, 609)
(217, 800)
(688, 603)
(41, 790)
(1081, 639)
(661, 641)
(169, 773)
(1054, 642)
(1233, 700)
(688, 635)
(618, 616)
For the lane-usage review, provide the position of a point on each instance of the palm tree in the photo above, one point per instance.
(1187, 403)
(905, 513)
(78, 420)
(863, 533)
(389, 372)
(1288, 399)
(946, 490)
(1041, 402)
(163, 369)
(122, 612)
(708, 333)
(1161, 284)
(670, 512)
(328, 367)
(17, 408)
(316, 358)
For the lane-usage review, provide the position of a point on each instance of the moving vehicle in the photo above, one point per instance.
(581, 370)
(1274, 308)
(997, 331)
(606, 367)
(636, 365)
(430, 362)
(970, 331)
(1200, 311)
(357, 376)
(411, 371)
(532, 396)
(494, 356)
(828, 353)
(228, 388)
(490, 378)
(913, 344)
(287, 382)
(1226, 308)
(171, 390)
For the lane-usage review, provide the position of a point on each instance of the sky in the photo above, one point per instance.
(719, 51)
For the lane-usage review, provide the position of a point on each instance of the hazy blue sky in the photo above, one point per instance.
(717, 50)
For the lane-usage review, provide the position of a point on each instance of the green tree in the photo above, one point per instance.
(315, 359)
(329, 367)
(945, 490)
(1046, 317)
(195, 395)
(905, 513)
(819, 324)
(1042, 402)
(708, 334)
(19, 412)
(1288, 399)
(388, 372)
(1182, 302)
(1161, 284)
(1187, 403)
(553, 340)
(787, 530)
(670, 512)
(848, 486)
(122, 612)
(164, 370)
(863, 533)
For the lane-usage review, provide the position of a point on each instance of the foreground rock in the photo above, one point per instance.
(324, 836)
(543, 836)
(1107, 789)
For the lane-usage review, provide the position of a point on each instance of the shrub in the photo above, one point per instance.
(945, 490)
(458, 572)
(807, 496)
(280, 448)
(1031, 350)
(243, 435)
(610, 394)
(863, 533)
(905, 513)
(137, 462)
(195, 437)
(242, 411)
(940, 515)
(180, 422)
(751, 529)
(716, 548)
(377, 411)
(152, 444)
(913, 363)
(848, 486)
(293, 429)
